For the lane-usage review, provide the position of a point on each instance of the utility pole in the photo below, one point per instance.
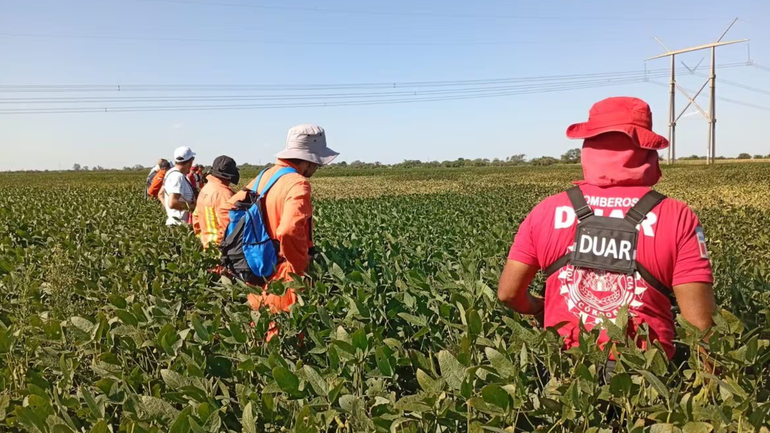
(711, 115)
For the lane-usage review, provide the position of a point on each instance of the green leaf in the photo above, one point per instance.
(347, 347)
(236, 330)
(494, 394)
(414, 320)
(182, 423)
(158, 408)
(28, 418)
(656, 383)
(664, 428)
(305, 421)
(200, 330)
(195, 427)
(286, 380)
(697, 427)
(620, 384)
(100, 427)
(412, 403)
(127, 318)
(383, 364)
(474, 322)
(174, 380)
(735, 324)
(5, 401)
(426, 382)
(96, 410)
(248, 421)
(359, 339)
(337, 272)
(451, 370)
(82, 324)
(318, 383)
(118, 301)
(500, 362)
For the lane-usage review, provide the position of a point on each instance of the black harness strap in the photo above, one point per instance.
(578, 200)
(639, 211)
(654, 282)
(558, 264)
(635, 215)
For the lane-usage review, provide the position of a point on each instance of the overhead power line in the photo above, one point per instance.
(294, 105)
(121, 88)
(424, 14)
(721, 98)
(350, 94)
(316, 43)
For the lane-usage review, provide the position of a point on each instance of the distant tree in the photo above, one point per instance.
(571, 157)
(690, 158)
(85, 168)
(544, 160)
(76, 167)
(516, 159)
(138, 167)
(759, 157)
(743, 156)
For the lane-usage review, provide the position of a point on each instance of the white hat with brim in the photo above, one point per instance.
(183, 154)
(308, 143)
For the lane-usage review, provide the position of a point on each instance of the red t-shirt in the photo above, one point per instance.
(671, 245)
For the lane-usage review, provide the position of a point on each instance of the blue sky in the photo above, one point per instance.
(287, 42)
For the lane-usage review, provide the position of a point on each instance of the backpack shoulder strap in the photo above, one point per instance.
(278, 174)
(654, 282)
(558, 264)
(582, 210)
(639, 211)
(259, 179)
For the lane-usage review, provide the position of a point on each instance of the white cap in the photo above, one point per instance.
(183, 154)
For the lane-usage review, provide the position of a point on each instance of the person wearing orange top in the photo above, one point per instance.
(288, 210)
(212, 211)
(157, 181)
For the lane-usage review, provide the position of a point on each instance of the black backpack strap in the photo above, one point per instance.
(582, 210)
(558, 264)
(654, 282)
(639, 211)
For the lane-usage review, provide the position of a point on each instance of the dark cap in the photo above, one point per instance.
(225, 168)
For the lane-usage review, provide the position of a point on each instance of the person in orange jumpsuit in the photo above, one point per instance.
(157, 181)
(288, 211)
(212, 211)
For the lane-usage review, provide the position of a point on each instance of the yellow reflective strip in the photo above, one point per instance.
(212, 224)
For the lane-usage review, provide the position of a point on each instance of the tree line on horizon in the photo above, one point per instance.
(572, 156)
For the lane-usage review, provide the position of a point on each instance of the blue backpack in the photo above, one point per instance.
(248, 252)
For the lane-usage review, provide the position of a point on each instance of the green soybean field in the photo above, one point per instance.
(111, 322)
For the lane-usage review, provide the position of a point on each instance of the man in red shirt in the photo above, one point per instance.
(620, 164)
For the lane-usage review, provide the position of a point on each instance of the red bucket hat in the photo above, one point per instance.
(631, 116)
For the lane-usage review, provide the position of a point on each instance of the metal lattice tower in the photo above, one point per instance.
(711, 115)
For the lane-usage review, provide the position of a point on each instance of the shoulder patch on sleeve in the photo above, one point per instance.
(704, 253)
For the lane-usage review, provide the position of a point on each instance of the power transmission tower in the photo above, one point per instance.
(711, 116)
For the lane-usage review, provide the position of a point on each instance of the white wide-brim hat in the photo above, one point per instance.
(308, 143)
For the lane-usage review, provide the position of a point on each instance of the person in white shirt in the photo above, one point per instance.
(177, 194)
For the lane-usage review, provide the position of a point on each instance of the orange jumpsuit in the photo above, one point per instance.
(156, 184)
(212, 211)
(288, 214)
